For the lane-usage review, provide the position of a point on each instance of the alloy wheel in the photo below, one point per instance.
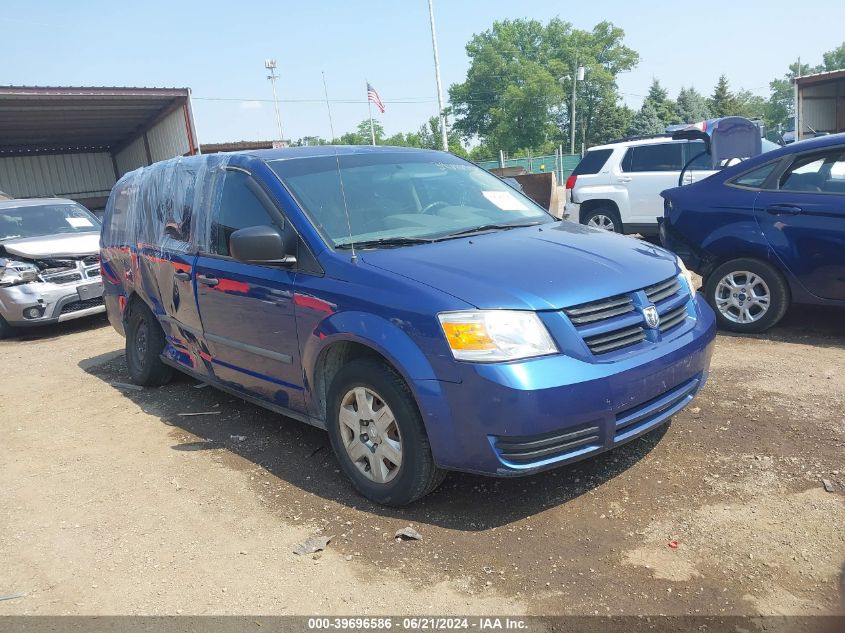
(742, 297)
(601, 221)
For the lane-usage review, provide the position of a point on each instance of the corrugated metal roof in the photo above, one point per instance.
(830, 75)
(49, 119)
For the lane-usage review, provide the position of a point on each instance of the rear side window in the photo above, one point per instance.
(592, 162)
(659, 157)
(755, 178)
(819, 172)
(239, 208)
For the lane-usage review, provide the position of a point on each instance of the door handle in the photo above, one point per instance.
(783, 209)
(624, 179)
(182, 275)
(208, 280)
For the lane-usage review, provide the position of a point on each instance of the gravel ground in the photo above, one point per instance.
(114, 503)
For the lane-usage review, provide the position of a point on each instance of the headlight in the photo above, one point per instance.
(687, 275)
(13, 273)
(496, 335)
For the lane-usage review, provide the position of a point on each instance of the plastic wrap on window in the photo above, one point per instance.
(165, 207)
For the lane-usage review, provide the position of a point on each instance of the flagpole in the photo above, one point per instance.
(444, 138)
(370, 110)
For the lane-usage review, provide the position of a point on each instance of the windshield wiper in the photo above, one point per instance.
(385, 241)
(487, 227)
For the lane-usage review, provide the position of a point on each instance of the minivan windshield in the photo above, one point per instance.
(46, 219)
(401, 198)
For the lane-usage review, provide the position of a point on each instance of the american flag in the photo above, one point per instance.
(372, 95)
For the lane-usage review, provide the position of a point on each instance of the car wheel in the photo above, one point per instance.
(748, 295)
(378, 435)
(144, 344)
(6, 330)
(606, 219)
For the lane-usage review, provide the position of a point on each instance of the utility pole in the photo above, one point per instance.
(444, 138)
(576, 77)
(270, 64)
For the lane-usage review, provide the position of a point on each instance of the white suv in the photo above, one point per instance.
(617, 186)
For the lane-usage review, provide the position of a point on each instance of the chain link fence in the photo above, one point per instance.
(561, 164)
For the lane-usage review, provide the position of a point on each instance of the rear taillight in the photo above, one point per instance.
(570, 182)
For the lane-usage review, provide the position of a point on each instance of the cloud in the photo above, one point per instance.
(250, 105)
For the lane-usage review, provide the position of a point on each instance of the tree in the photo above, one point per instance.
(309, 140)
(513, 98)
(647, 121)
(666, 109)
(835, 59)
(691, 106)
(723, 102)
(612, 121)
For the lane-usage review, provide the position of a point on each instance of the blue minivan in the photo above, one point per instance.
(427, 315)
(765, 233)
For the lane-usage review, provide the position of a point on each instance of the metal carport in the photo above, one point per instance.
(75, 142)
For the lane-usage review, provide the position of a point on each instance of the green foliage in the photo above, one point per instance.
(835, 59)
(667, 110)
(691, 106)
(647, 121)
(723, 102)
(513, 97)
(427, 137)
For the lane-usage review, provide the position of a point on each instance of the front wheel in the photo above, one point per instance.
(6, 330)
(378, 435)
(748, 295)
(606, 219)
(144, 344)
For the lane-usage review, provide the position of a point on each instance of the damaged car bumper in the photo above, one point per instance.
(53, 298)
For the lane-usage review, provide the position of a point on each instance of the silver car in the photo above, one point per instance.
(49, 263)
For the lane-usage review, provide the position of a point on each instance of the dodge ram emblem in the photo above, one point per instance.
(652, 319)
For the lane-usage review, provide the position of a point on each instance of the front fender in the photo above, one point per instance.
(393, 343)
(379, 334)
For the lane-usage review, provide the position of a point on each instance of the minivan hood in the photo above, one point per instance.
(61, 245)
(536, 268)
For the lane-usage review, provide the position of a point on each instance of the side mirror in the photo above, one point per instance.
(263, 245)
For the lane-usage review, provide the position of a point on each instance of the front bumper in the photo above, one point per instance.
(509, 419)
(54, 302)
(572, 211)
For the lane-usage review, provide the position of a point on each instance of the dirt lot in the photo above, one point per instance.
(113, 503)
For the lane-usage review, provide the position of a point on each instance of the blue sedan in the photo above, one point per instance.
(765, 233)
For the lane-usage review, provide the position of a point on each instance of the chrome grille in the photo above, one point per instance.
(616, 339)
(664, 289)
(616, 322)
(672, 318)
(600, 310)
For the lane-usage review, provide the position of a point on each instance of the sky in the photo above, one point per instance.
(218, 49)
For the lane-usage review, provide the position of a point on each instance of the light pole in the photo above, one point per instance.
(578, 76)
(270, 64)
(444, 138)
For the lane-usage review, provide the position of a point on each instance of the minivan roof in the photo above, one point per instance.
(313, 151)
(32, 202)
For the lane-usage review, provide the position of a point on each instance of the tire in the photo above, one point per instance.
(603, 218)
(6, 330)
(739, 311)
(144, 357)
(400, 425)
